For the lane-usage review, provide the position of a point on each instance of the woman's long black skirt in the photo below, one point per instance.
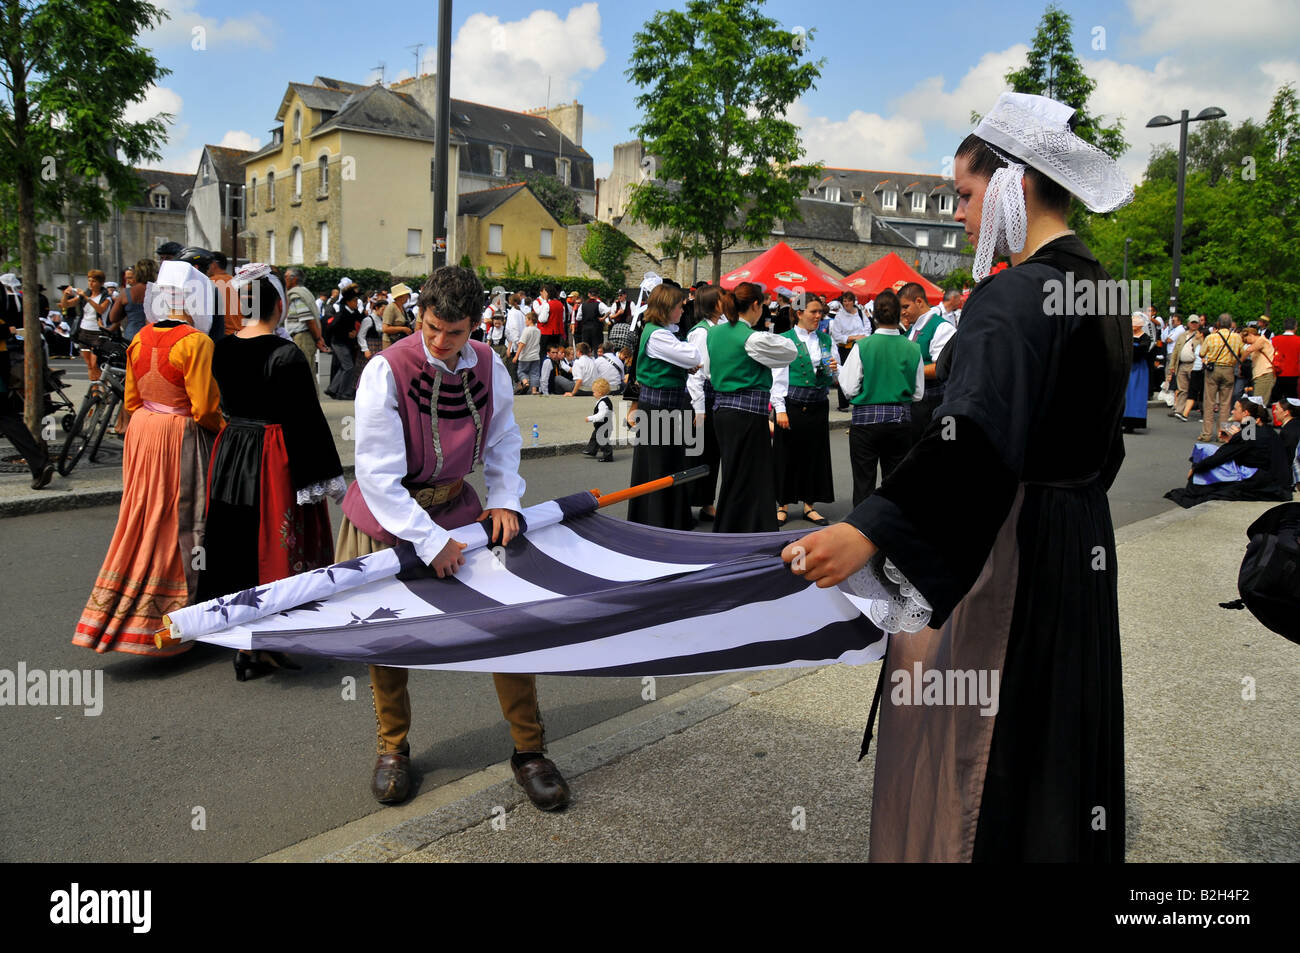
(803, 454)
(660, 451)
(747, 499)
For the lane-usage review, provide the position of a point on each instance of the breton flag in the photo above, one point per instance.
(577, 593)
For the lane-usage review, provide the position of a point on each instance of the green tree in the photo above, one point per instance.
(605, 251)
(1052, 70)
(64, 140)
(1241, 221)
(1215, 147)
(559, 199)
(718, 78)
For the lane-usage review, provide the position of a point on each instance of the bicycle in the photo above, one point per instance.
(99, 408)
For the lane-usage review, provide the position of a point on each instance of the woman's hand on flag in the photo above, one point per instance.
(829, 556)
(505, 525)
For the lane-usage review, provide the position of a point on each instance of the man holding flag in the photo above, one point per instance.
(428, 409)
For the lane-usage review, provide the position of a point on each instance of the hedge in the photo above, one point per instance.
(319, 279)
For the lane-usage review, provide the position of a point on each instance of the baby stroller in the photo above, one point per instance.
(57, 401)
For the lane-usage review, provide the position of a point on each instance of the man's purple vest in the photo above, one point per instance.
(456, 434)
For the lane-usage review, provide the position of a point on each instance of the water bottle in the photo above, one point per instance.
(536, 435)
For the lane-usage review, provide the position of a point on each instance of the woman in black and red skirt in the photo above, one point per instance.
(273, 464)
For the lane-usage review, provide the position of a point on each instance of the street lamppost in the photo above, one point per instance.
(1127, 242)
(1212, 112)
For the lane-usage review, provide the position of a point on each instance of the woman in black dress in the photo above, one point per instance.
(1255, 445)
(342, 334)
(272, 466)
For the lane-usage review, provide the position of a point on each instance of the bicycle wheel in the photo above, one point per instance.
(106, 418)
(82, 430)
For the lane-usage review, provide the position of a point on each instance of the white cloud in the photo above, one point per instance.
(1251, 27)
(860, 140)
(157, 99)
(238, 139)
(977, 90)
(508, 64)
(188, 27)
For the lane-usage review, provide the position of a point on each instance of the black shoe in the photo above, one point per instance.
(608, 459)
(256, 664)
(588, 453)
(42, 479)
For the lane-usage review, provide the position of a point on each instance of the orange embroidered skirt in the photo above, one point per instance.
(153, 561)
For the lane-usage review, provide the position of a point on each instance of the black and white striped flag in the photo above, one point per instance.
(577, 593)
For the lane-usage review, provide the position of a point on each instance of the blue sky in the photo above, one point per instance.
(896, 90)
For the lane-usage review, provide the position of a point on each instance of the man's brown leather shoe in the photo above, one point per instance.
(392, 781)
(543, 783)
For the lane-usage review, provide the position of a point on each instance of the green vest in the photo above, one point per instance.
(927, 335)
(802, 372)
(889, 363)
(653, 372)
(731, 369)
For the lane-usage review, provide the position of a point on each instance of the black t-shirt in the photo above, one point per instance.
(345, 321)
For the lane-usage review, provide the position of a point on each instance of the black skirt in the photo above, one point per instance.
(661, 452)
(803, 454)
(747, 499)
(703, 491)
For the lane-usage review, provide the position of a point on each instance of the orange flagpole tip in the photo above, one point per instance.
(163, 637)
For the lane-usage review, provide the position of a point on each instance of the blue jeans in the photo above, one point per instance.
(531, 372)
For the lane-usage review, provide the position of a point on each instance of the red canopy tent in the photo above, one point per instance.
(782, 266)
(884, 274)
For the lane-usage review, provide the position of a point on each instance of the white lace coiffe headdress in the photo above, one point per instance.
(1033, 130)
(249, 275)
(180, 287)
(649, 283)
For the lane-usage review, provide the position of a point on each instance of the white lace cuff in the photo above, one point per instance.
(334, 488)
(893, 603)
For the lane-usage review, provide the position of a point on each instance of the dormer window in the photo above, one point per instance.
(918, 201)
(562, 170)
(945, 204)
(832, 193)
(889, 200)
(499, 162)
(160, 199)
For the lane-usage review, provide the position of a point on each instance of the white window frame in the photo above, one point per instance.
(563, 170)
(945, 204)
(295, 245)
(528, 160)
(414, 242)
(918, 201)
(324, 228)
(546, 246)
(832, 193)
(922, 238)
(270, 188)
(889, 200)
(160, 199)
(496, 239)
(60, 235)
(949, 239)
(498, 162)
(297, 125)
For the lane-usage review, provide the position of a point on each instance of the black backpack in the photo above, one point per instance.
(1269, 581)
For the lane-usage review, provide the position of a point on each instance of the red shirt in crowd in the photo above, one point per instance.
(1288, 354)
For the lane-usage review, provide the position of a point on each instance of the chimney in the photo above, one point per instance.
(862, 221)
(424, 90)
(566, 117)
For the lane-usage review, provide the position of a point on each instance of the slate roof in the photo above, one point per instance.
(379, 109)
(482, 202)
(869, 184)
(177, 183)
(822, 219)
(228, 162)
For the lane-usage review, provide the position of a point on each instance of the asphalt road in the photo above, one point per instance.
(276, 760)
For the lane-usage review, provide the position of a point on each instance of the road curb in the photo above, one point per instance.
(46, 501)
(491, 791)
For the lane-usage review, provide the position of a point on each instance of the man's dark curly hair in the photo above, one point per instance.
(454, 293)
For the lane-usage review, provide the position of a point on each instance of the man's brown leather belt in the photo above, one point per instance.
(433, 495)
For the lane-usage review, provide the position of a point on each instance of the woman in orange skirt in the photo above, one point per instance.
(153, 561)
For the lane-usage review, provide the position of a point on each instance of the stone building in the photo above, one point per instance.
(156, 216)
(214, 218)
